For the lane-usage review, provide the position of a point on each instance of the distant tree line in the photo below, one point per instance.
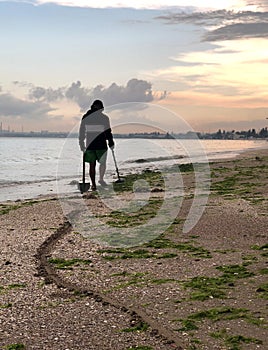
(219, 135)
(231, 135)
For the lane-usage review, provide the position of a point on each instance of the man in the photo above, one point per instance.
(96, 130)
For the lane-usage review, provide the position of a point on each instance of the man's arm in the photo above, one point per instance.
(109, 134)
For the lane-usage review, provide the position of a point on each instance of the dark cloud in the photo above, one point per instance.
(11, 106)
(136, 90)
(38, 106)
(238, 31)
(261, 4)
(75, 92)
(231, 25)
(215, 17)
(79, 95)
(82, 96)
(42, 94)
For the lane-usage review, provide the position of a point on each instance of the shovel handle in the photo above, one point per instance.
(84, 168)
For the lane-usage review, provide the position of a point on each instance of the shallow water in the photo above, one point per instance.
(30, 167)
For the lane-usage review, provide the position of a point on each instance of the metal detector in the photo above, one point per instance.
(119, 180)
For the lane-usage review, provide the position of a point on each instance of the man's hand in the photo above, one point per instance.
(111, 145)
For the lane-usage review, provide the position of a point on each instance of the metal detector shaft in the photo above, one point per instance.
(115, 163)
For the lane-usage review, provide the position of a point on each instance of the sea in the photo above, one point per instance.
(32, 167)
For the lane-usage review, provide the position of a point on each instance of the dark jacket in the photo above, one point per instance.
(95, 128)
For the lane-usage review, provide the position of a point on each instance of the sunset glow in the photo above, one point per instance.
(205, 61)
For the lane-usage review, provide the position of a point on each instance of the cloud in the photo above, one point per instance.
(42, 94)
(259, 4)
(136, 90)
(149, 4)
(238, 31)
(214, 17)
(79, 95)
(235, 68)
(226, 25)
(11, 106)
(48, 105)
(144, 4)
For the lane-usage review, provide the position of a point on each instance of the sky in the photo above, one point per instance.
(203, 62)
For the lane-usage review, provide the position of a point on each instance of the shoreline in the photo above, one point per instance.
(62, 290)
(51, 185)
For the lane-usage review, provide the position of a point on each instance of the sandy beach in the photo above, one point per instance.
(204, 289)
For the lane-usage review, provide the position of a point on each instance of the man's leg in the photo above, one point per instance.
(92, 174)
(102, 158)
(102, 172)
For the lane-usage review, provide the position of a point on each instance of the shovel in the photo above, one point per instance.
(84, 186)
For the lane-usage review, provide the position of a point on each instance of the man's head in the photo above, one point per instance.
(96, 105)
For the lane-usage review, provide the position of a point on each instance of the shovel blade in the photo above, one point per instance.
(83, 187)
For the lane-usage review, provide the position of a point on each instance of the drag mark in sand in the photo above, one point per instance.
(138, 317)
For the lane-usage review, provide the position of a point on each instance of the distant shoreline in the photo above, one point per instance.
(158, 136)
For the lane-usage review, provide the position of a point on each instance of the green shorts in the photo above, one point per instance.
(92, 155)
